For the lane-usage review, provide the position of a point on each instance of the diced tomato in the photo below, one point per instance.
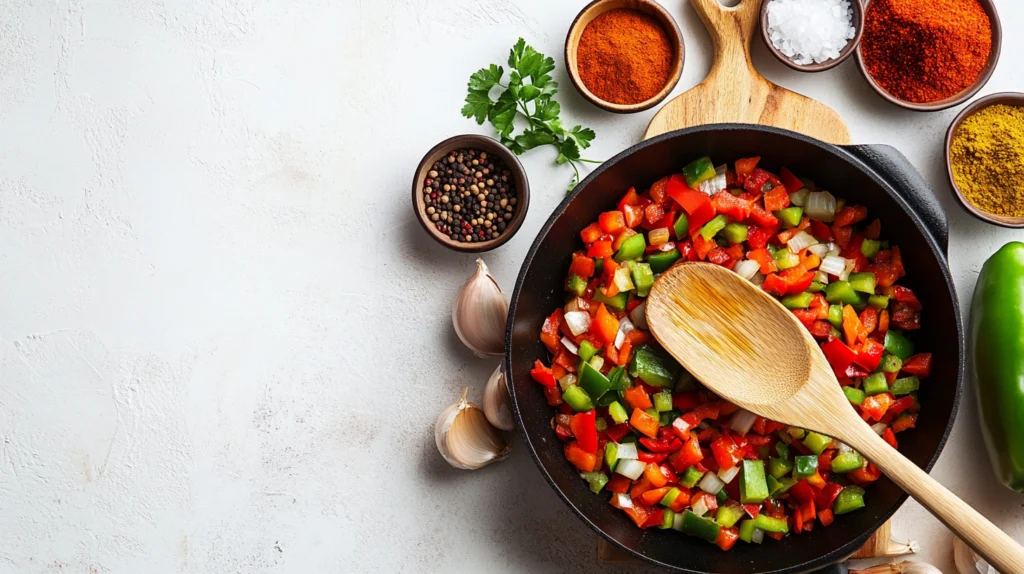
(919, 365)
(791, 181)
(582, 459)
(727, 537)
(763, 218)
(612, 222)
(605, 325)
(584, 429)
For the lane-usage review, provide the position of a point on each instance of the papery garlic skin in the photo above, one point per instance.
(480, 313)
(497, 401)
(968, 561)
(464, 437)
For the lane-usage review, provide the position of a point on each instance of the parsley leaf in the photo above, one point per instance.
(529, 94)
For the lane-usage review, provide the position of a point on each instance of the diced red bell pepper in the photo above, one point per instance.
(681, 501)
(654, 476)
(899, 406)
(670, 475)
(618, 484)
(684, 424)
(850, 214)
(791, 181)
(755, 180)
(652, 497)
(873, 230)
(806, 316)
(600, 249)
(585, 430)
(890, 438)
(605, 325)
(825, 516)
(553, 396)
(702, 247)
(828, 495)
(542, 374)
(582, 265)
(876, 405)
(582, 459)
(869, 318)
(633, 214)
(757, 237)
(727, 537)
(763, 218)
(825, 460)
(904, 422)
(631, 198)
(644, 423)
(687, 456)
(853, 329)
(637, 398)
(764, 258)
(611, 222)
(870, 354)
(563, 432)
(736, 208)
(820, 231)
(776, 199)
(591, 233)
(550, 331)
(692, 200)
(866, 475)
(709, 500)
(802, 491)
(838, 354)
(842, 235)
(727, 453)
(684, 401)
(640, 486)
(655, 518)
(745, 166)
(720, 256)
(904, 317)
(659, 445)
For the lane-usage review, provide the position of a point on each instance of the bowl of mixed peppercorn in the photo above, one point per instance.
(470, 193)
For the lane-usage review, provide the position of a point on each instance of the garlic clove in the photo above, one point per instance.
(496, 401)
(480, 312)
(900, 568)
(968, 561)
(900, 549)
(464, 437)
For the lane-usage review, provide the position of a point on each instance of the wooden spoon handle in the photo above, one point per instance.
(732, 30)
(986, 538)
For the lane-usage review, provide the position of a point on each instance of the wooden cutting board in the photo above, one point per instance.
(735, 92)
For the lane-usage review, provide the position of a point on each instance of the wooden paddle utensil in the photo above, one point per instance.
(735, 92)
(749, 349)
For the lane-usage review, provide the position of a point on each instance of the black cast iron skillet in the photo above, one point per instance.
(878, 177)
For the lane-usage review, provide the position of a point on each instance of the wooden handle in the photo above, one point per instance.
(732, 30)
(986, 538)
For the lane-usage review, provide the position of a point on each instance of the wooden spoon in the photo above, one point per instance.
(749, 349)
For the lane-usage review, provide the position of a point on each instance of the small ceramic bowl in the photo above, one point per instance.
(492, 147)
(847, 51)
(1010, 99)
(963, 95)
(595, 9)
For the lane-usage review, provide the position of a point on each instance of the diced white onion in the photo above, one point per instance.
(820, 205)
(742, 421)
(727, 474)
(658, 236)
(631, 469)
(597, 362)
(819, 249)
(577, 304)
(847, 269)
(639, 315)
(700, 508)
(622, 280)
(711, 484)
(570, 345)
(842, 447)
(832, 265)
(625, 326)
(747, 268)
(623, 500)
(757, 279)
(879, 428)
(799, 197)
(801, 241)
(715, 184)
(821, 277)
(567, 381)
(578, 321)
(833, 249)
(758, 536)
(626, 451)
(677, 521)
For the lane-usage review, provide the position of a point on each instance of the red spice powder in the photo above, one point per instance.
(925, 50)
(624, 56)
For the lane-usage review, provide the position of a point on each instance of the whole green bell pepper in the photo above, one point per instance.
(997, 348)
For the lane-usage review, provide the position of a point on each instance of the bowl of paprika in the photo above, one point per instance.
(929, 56)
(624, 56)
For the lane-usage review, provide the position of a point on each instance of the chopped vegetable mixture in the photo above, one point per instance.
(672, 454)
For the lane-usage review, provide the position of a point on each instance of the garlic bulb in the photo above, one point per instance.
(496, 401)
(968, 561)
(480, 312)
(464, 437)
(900, 568)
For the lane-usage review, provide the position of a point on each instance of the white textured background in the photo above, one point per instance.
(223, 337)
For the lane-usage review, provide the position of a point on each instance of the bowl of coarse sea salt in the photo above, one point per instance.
(811, 35)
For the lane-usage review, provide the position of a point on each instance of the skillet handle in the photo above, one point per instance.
(892, 166)
(837, 568)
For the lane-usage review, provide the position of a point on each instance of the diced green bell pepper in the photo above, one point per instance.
(578, 399)
(786, 259)
(653, 367)
(782, 485)
(576, 285)
(753, 488)
(817, 442)
(596, 480)
(869, 247)
(856, 396)
(747, 529)
(700, 527)
(632, 248)
(835, 315)
(847, 461)
(898, 345)
(662, 260)
(593, 381)
(878, 301)
(905, 386)
(606, 399)
(643, 278)
(778, 467)
(600, 423)
(816, 287)
(668, 517)
(618, 413)
(798, 301)
(850, 498)
(663, 401)
(691, 477)
(875, 384)
(805, 465)
(735, 233)
(598, 265)
(618, 302)
(682, 225)
(783, 450)
(670, 497)
(890, 363)
(619, 380)
(722, 496)
(611, 454)
(863, 282)
(587, 350)
(769, 524)
(796, 432)
(842, 292)
(729, 515)
(790, 216)
(697, 171)
(712, 227)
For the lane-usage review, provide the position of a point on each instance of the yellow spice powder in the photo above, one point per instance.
(987, 159)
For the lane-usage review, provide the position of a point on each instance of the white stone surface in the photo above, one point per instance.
(223, 337)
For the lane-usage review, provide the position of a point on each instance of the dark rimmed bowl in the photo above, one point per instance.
(846, 52)
(491, 146)
(963, 95)
(878, 177)
(595, 9)
(1015, 99)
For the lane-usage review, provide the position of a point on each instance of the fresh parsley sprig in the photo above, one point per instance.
(529, 94)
